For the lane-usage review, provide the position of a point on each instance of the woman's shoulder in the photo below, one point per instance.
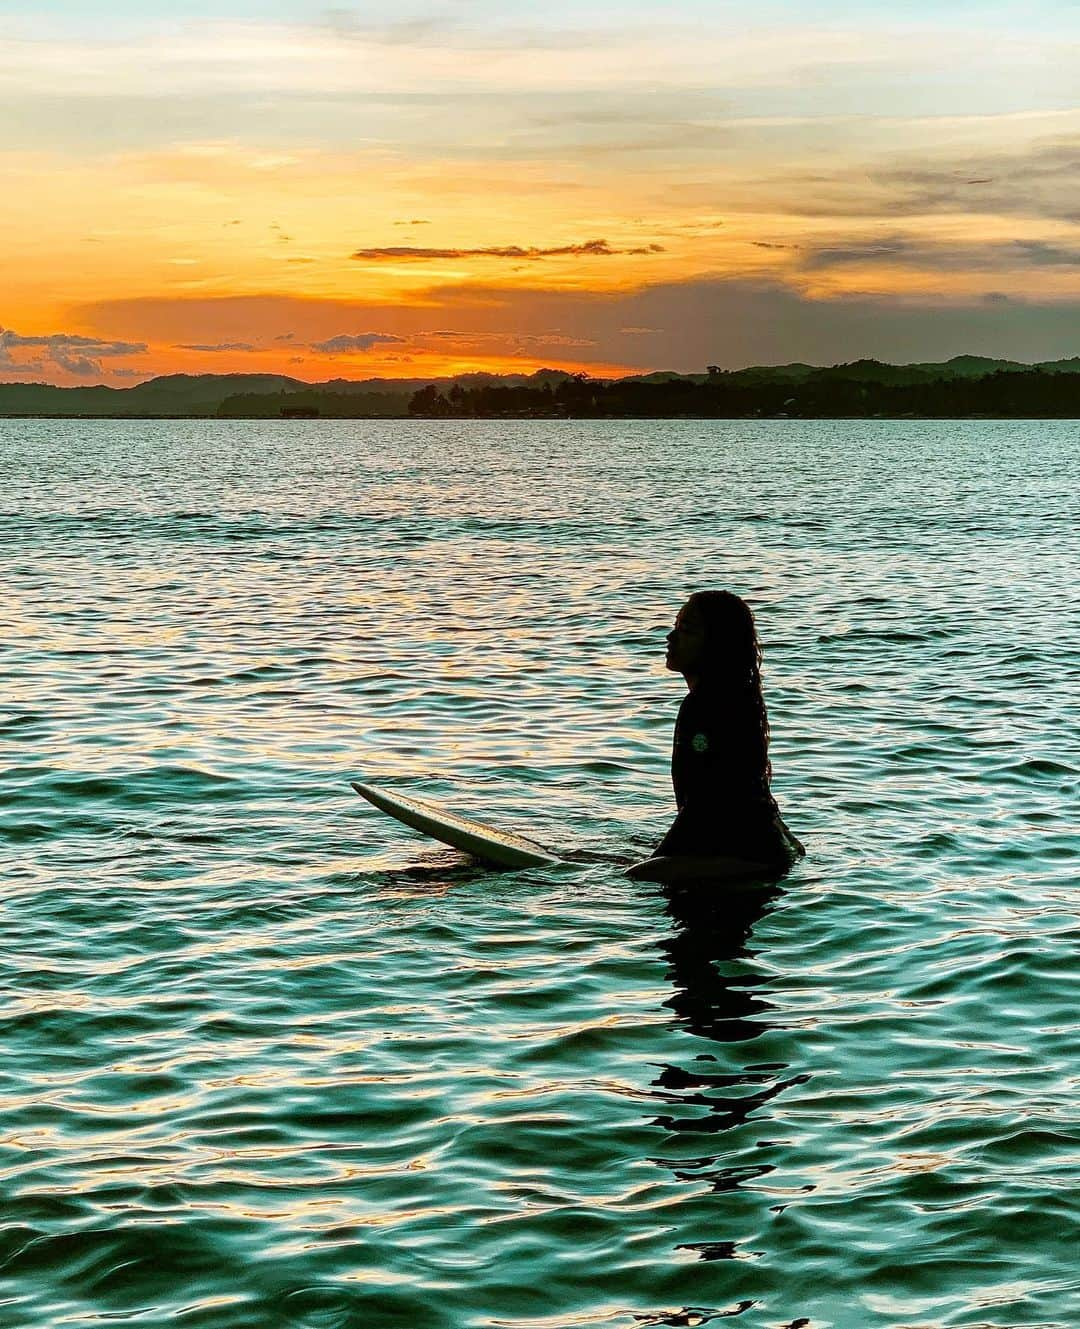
(704, 706)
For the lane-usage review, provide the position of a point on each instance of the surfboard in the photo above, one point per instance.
(498, 848)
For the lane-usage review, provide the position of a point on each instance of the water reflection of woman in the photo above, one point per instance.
(728, 826)
(721, 996)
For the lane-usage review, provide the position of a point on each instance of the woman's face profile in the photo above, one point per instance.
(686, 642)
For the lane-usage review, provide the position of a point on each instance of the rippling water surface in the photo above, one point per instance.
(272, 1059)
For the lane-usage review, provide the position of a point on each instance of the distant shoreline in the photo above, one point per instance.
(964, 388)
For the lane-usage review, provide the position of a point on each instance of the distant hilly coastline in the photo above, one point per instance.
(966, 385)
(211, 395)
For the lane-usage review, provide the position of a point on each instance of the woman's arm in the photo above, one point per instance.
(687, 834)
(700, 774)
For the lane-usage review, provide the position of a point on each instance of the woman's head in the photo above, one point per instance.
(714, 644)
(714, 638)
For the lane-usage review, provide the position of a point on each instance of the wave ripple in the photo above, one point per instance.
(270, 1060)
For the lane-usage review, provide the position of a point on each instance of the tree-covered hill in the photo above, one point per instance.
(827, 394)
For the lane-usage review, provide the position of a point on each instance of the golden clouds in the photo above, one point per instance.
(240, 161)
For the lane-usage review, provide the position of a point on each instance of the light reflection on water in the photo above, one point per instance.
(271, 1060)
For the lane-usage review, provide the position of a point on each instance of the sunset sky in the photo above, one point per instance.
(353, 191)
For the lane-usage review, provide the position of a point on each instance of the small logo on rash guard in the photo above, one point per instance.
(699, 743)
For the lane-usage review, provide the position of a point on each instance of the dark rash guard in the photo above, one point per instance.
(722, 793)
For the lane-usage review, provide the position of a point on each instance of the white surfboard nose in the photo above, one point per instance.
(499, 848)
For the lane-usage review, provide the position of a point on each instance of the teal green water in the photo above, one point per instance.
(271, 1059)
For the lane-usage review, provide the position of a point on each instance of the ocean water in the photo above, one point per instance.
(271, 1059)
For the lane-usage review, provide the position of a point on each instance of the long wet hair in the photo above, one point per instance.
(731, 669)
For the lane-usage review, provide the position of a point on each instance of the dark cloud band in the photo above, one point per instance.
(415, 253)
(68, 351)
(356, 341)
(916, 252)
(68, 342)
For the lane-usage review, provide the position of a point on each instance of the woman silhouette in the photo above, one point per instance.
(728, 825)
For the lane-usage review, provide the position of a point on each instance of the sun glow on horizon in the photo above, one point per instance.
(508, 192)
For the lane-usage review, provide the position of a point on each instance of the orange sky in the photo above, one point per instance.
(327, 199)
